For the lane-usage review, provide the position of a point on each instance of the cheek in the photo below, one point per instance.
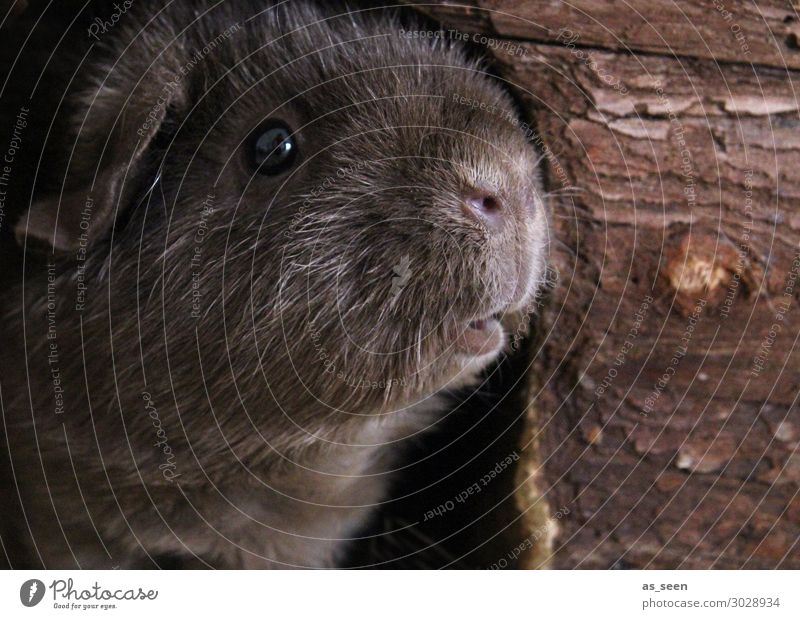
(542, 234)
(538, 252)
(527, 263)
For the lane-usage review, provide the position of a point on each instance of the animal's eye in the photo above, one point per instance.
(273, 148)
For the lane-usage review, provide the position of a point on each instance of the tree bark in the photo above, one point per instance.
(663, 428)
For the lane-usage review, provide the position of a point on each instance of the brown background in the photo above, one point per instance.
(675, 126)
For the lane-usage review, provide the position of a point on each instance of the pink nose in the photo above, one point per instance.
(485, 207)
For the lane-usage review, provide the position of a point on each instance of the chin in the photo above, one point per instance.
(468, 366)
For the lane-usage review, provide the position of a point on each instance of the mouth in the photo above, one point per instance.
(481, 336)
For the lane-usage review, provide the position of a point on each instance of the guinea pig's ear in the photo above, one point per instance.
(108, 160)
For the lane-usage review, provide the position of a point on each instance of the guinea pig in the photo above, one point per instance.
(273, 238)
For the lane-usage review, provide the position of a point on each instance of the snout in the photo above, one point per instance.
(510, 242)
(505, 261)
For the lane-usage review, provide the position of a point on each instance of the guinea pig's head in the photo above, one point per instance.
(359, 198)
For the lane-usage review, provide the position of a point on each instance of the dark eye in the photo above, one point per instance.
(273, 148)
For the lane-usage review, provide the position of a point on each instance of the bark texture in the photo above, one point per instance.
(663, 427)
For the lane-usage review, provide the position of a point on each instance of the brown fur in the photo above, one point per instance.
(277, 453)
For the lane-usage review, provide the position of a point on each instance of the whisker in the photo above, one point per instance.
(565, 191)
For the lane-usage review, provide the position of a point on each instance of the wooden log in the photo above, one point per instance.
(765, 32)
(663, 427)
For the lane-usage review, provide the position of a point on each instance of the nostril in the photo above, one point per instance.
(486, 207)
(490, 204)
